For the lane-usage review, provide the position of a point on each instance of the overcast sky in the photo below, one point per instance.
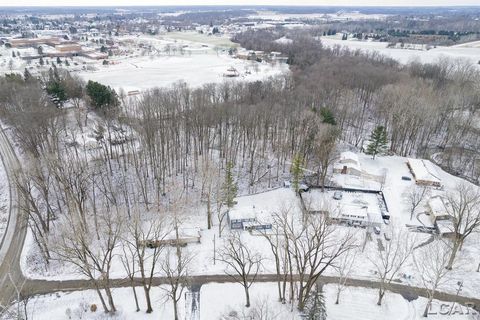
(238, 2)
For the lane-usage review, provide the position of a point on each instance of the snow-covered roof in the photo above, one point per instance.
(263, 205)
(423, 170)
(438, 207)
(353, 205)
(445, 226)
(349, 156)
(348, 159)
(284, 40)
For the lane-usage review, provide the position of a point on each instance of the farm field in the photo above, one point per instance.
(197, 69)
(468, 53)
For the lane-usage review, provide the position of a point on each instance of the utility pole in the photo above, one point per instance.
(460, 285)
(214, 251)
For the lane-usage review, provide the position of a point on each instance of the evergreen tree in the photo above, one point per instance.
(229, 186)
(378, 142)
(315, 307)
(297, 172)
(327, 116)
(27, 75)
(101, 96)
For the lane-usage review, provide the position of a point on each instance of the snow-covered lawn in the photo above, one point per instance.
(361, 303)
(215, 300)
(218, 300)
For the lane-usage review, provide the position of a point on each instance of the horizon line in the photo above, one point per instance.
(243, 5)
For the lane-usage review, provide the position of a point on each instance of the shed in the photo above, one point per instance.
(424, 172)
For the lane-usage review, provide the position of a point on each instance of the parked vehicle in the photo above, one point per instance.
(376, 230)
(406, 178)
(387, 236)
(337, 195)
(303, 187)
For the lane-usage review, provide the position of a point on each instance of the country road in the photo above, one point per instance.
(12, 244)
(34, 287)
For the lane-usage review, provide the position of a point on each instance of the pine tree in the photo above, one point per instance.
(229, 186)
(297, 172)
(378, 142)
(315, 307)
(327, 116)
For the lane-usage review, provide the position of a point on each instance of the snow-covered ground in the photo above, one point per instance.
(469, 53)
(196, 69)
(143, 62)
(217, 300)
(361, 303)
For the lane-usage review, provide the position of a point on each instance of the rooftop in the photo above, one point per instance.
(263, 205)
(423, 170)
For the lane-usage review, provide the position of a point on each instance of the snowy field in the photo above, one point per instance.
(147, 72)
(144, 62)
(464, 51)
(219, 300)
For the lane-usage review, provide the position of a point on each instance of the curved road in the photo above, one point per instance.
(34, 287)
(12, 244)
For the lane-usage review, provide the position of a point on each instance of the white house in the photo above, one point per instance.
(256, 211)
(348, 164)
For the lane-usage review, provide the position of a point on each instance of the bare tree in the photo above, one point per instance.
(129, 262)
(278, 246)
(145, 239)
(324, 148)
(431, 262)
(344, 269)
(91, 258)
(175, 267)
(391, 259)
(415, 197)
(314, 245)
(463, 205)
(243, 264)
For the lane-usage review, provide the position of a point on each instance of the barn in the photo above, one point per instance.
(424, 172)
